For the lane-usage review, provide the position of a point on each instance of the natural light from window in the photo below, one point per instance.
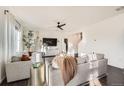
(18, 40)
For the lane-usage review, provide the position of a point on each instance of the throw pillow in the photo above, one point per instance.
(55, 63)
(98, 56)
(25, 58)
(81, 60)
(15, 59)
(95, 56)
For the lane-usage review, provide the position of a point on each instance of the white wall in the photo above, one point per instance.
(106, 37)
(49, 34)
(55, 34)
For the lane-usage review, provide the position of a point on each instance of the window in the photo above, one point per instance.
(18, 38)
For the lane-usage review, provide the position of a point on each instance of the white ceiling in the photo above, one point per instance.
(45, 17)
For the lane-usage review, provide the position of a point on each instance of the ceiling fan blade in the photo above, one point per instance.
(61, 28)
(62, 25)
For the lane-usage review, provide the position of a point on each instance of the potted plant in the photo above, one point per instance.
(29, 41)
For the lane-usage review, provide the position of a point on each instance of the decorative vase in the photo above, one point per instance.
(29, 52)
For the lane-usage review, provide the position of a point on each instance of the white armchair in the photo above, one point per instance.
(18, 70)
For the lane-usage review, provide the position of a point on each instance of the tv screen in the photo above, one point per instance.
(50, 41)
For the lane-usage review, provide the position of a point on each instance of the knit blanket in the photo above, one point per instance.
(68, 67)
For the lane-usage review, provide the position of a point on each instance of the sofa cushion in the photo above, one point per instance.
(81, 60)
(55, 65)
(54, 62)
(95, 56)
(15, 59)
(99, 56)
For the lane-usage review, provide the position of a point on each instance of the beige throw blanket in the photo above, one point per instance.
(68, 67)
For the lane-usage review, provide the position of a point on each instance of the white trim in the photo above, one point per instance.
(115, 66)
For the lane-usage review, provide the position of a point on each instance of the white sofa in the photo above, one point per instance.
(17, 70)
(85, 72)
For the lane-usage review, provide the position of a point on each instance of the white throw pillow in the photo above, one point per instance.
(99, 56)
(55, 65)
(15, 59)
(81, 60)
(95, 56)
(54, 62)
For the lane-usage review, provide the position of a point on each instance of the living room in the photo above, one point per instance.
(33, 38)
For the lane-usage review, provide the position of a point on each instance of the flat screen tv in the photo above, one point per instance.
(50, 41)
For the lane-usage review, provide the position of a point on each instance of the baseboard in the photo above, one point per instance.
(116, 66)
(1, 80)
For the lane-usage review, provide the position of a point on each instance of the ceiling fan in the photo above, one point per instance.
(60, 25)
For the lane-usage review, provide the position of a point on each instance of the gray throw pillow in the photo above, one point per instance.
(15, 59)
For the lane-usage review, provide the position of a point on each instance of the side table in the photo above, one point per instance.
(38, 75)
